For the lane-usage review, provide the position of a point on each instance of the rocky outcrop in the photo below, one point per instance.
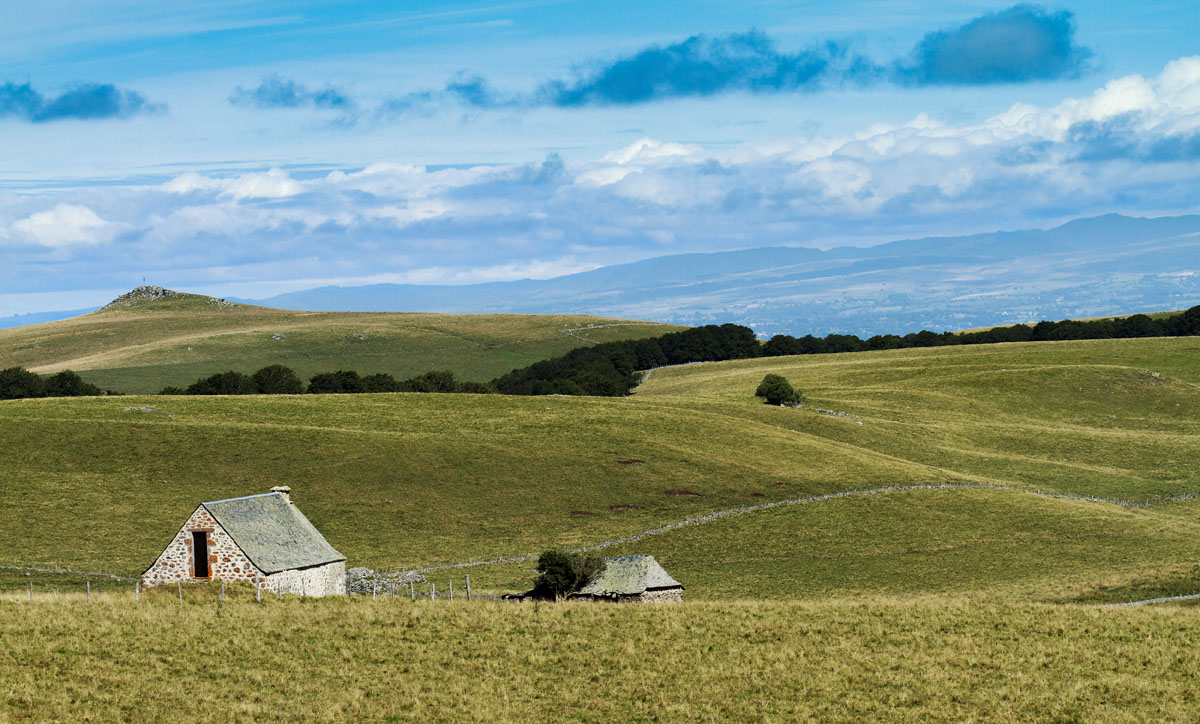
(139, 294)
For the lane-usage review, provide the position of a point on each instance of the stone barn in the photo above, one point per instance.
(256, 539)
(633, 579)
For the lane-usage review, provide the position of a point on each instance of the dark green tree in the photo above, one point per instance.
(223, 383)
(432, 381)
(380, 382)
(69, 384)
(277, 380)
(561, 573)
(777, 391)
(17, 383)
(342, 381)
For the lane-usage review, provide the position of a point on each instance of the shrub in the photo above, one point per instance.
(561, 573)
(277, 380)
(69, 384)
(18, 382)
(223, 383)
(777, 391)
(342, 381)
(432, 381)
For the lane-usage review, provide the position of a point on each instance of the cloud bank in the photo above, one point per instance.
(707, 66)
(1022, 44)
(1131, 146)
(85, 102)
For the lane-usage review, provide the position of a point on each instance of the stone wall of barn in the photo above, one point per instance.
(326, 580)
(226, 562)
(663, 595)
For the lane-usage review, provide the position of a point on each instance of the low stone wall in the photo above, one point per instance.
(666, 595)
(226, 562)
(326, 580)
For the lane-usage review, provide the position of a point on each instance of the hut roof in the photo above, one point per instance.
(629, 575)
(273, 534)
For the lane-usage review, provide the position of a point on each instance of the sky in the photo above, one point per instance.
(251, 148)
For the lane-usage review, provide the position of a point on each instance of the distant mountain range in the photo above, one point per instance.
(1089, 267)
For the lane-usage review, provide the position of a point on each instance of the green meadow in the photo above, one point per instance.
(999, 496)
(404, 481)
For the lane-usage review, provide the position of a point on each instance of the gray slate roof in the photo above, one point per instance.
(273, 534)
(629, 575)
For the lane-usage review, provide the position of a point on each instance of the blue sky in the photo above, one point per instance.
(249, 148)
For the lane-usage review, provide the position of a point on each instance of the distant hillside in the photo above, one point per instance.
(152, 337)
(1087, 268)
(24, 320)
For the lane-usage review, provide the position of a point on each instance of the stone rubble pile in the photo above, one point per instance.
(364, 580)
(139, 294)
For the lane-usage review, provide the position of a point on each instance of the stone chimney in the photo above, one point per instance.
(283, 490)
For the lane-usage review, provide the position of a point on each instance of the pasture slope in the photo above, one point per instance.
(144, 345)
(1029, 483)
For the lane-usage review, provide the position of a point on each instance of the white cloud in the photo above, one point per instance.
(273, 184)
(1024, 167)
(66, 225)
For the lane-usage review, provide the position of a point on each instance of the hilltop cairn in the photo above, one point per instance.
(139, 294)
(150, 293)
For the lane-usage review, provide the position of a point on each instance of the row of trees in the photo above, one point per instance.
(281, 380)
(18, 383)
(610, 369)
(1139, 325)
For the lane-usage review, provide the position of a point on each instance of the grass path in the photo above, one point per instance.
(717, 515)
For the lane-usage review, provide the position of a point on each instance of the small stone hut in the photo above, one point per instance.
(261, 539)
(633, 579)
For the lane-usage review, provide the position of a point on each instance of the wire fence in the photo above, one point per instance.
(112, 587)
(96, 583)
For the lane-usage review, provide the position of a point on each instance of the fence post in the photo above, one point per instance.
(374, 589)
(179, 586)
(432, 591)
(303, 588)
(31, 591)
(452, 589)
(468, 586)
(257, 589)
(89, 591)
(222, 590)
(412, 590)
(137, 592)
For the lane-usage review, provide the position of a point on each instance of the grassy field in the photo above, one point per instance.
(407, 480)
(913, 660)
(969, 591)
(176, 340)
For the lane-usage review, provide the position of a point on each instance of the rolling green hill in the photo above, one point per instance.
(925, 541)
(409, 480)
(143, 345)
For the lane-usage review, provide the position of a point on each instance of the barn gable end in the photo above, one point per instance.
(226, 561)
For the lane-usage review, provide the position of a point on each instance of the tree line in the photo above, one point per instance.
(18, 383)
(610, 369)
(281, 380)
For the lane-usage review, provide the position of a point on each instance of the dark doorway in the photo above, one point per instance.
(200, 551)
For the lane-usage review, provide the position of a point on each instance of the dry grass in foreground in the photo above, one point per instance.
(928, 660)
